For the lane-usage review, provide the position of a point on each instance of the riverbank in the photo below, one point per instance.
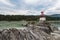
(53, 21)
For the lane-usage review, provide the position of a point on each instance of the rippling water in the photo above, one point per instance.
(11, 24)
(56, 24)
(18, 24)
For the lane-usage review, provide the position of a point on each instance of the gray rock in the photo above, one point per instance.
(30, 33)
(0, 35)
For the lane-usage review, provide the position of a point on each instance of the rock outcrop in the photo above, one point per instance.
(15, 34)
(32, 32)
(26, 34)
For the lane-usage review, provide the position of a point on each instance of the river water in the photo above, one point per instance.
(11, 24)
(18, 24)
(56, 24)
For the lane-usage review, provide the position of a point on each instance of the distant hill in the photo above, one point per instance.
(55, 15)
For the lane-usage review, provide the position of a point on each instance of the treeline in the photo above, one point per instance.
(24, 17)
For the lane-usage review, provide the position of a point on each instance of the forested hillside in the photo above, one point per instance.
(25, 17)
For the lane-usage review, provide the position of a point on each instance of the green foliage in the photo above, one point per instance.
(24, 17)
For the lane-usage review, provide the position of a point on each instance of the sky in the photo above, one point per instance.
(29, 7)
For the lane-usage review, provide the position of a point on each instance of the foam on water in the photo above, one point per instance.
(59, 28)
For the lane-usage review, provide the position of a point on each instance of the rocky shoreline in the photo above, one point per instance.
(40, 31)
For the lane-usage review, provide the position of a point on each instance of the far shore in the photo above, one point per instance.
(28, 21)
(53, 21)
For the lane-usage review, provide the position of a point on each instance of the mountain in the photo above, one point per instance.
(55, 15)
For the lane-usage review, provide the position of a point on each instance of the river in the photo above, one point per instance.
(18, 24)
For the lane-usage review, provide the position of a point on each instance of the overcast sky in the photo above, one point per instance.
(29, 7)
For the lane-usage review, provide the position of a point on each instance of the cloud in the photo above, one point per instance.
(13, 12)
(29, 7)
(55, 7)
(37, 2)
(31, 1)
(6, 2)
(20, 12)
